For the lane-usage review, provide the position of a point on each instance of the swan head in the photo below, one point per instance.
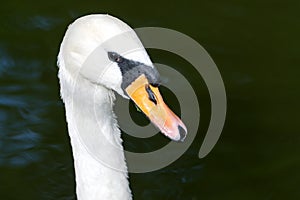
(140, 83)
(103, 46)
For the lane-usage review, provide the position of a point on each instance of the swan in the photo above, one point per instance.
(94, 64)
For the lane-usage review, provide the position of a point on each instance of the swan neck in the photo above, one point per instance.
(93, 131)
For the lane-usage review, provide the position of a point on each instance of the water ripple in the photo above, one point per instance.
(43, 22)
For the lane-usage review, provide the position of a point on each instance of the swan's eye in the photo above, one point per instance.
(151, 94)
(118, 59)
(115, 57)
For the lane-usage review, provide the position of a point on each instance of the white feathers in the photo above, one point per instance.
(85, 46)
(87, 79)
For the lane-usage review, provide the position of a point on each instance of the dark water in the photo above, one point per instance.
(256, 47)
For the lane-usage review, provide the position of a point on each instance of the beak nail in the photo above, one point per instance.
(182, 133)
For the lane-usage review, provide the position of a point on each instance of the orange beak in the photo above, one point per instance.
(150, 101)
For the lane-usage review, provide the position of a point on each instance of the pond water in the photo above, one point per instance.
(255, 45)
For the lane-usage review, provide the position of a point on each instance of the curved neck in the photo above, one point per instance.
(89, 113)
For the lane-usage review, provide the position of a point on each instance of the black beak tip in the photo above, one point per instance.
(182, 133)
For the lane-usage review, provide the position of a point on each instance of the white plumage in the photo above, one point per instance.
(89, 71)
(94, 180)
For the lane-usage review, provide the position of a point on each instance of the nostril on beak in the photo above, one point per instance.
(182, 133)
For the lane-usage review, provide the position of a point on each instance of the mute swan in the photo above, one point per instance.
(129, 73)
